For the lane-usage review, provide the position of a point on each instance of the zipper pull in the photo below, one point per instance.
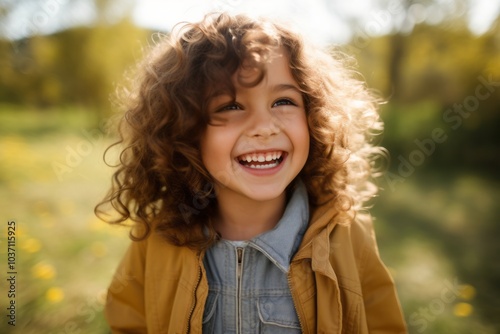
(239, 252)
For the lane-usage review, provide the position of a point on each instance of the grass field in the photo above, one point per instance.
(436, 232)
(51, 176)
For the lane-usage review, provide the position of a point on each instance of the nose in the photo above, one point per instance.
(263, 124)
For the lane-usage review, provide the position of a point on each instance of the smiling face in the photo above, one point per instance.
(258, 143)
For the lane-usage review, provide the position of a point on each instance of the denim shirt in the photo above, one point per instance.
(248, 283)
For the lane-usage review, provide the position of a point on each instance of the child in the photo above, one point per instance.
(246, 164)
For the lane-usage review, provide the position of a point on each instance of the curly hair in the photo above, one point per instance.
(161, 183)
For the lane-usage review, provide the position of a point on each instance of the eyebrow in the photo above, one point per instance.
(276, 88)
(283, 87)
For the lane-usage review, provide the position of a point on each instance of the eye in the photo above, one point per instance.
(284, 102)
(229, 107)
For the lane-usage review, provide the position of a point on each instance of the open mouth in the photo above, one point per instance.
(261, 160)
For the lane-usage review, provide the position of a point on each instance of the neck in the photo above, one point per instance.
(241, 218)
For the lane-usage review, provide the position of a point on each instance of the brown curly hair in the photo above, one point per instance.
(161, 183)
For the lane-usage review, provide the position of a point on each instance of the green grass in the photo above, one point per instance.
(65, 256)
(31, 122)
(433, 229)
(437, 228)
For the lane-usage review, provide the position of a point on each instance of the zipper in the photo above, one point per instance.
(293, 298)
(239, 271)
(194, 298)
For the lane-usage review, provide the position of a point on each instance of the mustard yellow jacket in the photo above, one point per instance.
(338, 282)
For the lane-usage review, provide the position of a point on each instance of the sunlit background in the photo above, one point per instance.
(435, 62)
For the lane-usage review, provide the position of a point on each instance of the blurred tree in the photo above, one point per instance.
(21, 19)
(406, 14)
(74, 66)
(436, 70)
(442, 67)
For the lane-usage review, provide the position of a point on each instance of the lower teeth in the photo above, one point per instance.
(274, 164)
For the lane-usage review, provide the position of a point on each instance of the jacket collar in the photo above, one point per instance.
(316, 242)
(282, 242)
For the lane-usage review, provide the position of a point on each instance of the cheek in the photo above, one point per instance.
(207, 149)
(301, 143)
(300, 134)
(305, 141)
(215, 148)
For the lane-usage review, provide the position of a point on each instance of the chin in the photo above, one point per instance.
(264, 195)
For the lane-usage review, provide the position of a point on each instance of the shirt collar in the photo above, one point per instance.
(281, 243)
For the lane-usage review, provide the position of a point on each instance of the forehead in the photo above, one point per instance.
(275, 71)
(277, 68)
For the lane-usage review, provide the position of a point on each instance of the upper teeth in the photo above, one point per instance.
(261, 157)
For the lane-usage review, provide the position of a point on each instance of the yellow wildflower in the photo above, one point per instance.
(43, 271)
(31, 245)
(54, 295)
(462, 309)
